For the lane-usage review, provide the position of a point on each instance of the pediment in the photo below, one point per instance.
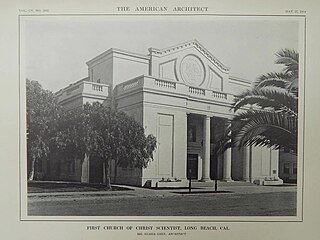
(189, 63)
(187, 45)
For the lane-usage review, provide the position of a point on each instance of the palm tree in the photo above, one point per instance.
(267, 115)
(288, 78)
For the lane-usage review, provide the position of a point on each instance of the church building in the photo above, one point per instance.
(182, 95)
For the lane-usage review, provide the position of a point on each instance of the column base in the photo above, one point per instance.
(227, 180)
(245, 180)
(206, 180)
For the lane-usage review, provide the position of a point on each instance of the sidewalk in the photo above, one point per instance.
(198, 189)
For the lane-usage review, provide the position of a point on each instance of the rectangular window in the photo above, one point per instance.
(40, 166)
(73, 166)
(192, 132)
(48, 167)
(286, 168)
(294, 168)
(212, 134)
(165, 145)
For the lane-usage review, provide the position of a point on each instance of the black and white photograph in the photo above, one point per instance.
(159, 120)
(163, 116)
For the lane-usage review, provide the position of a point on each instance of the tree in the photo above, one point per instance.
(109, 135)
(43, 112)
(267, 115)
(288, 78)
(95, 130)
(68, 143)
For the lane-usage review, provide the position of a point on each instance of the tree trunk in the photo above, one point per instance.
(107, 176)
(115, 171)
(31, 173)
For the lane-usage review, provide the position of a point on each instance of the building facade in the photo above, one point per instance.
(182, 95)
(288, 167)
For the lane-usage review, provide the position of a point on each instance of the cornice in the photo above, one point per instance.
(194, 43)
(242, 80)
(119, 51)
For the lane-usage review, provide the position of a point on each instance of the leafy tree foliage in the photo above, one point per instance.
(267, 115)
(112, 135)
(288, 78)
(68, 142)
(43, 112)
(104, 135)
(94, 130)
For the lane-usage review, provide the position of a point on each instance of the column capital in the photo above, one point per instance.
(207, 116)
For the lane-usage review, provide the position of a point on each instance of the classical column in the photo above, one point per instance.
(85, 167)
(227, 165)
(104, 179)
(246, 164)
(206, 146)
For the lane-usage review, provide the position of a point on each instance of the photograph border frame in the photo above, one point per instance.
(22, 138)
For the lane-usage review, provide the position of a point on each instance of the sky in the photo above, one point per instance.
(55, 49)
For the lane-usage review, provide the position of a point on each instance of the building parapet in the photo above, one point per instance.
(162, 85)
(84, 88)
(117, 51)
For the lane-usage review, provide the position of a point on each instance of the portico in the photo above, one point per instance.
(211, 164)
